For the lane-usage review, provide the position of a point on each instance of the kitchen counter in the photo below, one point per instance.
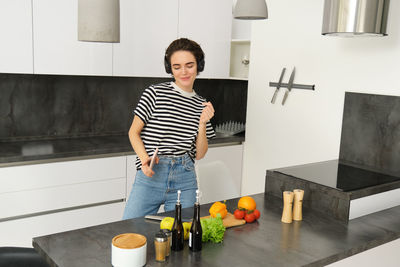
(44, 151)
(315, 241)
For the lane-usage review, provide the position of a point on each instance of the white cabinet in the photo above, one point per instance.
(46, 187)
(40, 199)
(209, 22)
(56, 46)
(20, 232)
(219, 173)
(16, 52)
(147, 28)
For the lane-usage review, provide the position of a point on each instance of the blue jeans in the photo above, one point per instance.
(171, 174)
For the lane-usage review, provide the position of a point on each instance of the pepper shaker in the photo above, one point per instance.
(160, 246)
(287, 215)
(297, 204)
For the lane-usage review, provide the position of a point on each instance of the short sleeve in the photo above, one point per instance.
(210, 133)
(146, 105)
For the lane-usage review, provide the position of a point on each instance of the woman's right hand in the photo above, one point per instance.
(146, 166)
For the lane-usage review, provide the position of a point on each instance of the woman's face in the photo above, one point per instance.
(184, 69)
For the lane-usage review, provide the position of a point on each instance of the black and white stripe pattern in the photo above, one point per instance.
(171, 120)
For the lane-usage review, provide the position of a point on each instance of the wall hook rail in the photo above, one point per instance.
(294, 86)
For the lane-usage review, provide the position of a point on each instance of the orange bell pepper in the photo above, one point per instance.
(218, 207)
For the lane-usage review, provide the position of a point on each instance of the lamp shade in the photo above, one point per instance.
(355, 17)
(250, 9)
(98, 21)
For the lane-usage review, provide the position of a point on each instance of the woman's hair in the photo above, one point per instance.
(184, 44)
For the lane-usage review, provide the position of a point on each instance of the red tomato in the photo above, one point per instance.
(250, 217)
(239, 214)
(256, 213)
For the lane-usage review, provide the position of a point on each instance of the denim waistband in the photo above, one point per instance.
(176, 159)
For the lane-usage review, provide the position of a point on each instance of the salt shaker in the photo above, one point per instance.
(287, 215)
(297, 204)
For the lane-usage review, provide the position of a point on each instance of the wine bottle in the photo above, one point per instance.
(177, 228)
(196, 232)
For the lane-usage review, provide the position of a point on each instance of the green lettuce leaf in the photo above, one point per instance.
(213, 229)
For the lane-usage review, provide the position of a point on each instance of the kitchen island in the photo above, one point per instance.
(315, 241)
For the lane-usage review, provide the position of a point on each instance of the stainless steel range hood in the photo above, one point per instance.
(355, 17)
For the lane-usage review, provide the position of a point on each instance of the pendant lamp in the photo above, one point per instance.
(351, 18)
(250, 10)
(98, 21)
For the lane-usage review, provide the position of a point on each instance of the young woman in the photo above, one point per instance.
(172, 118)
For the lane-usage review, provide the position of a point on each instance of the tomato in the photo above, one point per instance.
(239, 214)
(250, 217)
(247, 203)
(256, 213)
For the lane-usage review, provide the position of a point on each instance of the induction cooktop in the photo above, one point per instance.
(338, 175)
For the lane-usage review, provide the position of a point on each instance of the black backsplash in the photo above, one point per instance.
(58, 106)
(371, 132)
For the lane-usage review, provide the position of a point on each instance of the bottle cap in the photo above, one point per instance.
(167, 232)
(160, 237)
(179, 197)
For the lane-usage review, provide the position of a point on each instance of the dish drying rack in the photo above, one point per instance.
(230, 128)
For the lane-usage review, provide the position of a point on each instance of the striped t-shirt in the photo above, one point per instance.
(171, 117)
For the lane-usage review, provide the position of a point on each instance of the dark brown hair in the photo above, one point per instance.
(184, 44)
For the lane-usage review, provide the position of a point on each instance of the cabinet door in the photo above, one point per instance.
(56, 46)
(21, 231)
(219, 173)
(16, 52)
(34, 189)
(147, 28)
(209, 23)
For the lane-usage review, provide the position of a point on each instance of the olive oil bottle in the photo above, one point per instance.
(196, 232)
(177, 228)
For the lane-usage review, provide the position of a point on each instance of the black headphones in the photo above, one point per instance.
(200, 64)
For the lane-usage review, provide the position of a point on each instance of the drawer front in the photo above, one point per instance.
(29, 202)
(20, 232)
(30, 177)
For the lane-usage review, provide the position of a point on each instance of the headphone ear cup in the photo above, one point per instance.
(167, 66)
(200, 65)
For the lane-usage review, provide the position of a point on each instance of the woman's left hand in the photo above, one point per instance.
(208, 112)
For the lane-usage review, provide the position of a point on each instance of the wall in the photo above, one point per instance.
(59, 106)
(308, 127)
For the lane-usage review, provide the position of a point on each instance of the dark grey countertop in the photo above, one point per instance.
(315, 241)
(42, 151)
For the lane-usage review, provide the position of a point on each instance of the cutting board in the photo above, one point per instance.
(230, 220)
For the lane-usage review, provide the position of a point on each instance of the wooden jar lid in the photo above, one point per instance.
(129, 241)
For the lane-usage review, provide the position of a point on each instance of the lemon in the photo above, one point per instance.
(167, 223)
(186, 228)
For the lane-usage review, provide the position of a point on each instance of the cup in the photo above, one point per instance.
(128, 250)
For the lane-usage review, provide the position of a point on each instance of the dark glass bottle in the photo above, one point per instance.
(177, 228)
(196, 232)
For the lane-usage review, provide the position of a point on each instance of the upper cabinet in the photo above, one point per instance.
(147, 28)
(56, 46)
(40, 36)
(209, 23)
(16, 36)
